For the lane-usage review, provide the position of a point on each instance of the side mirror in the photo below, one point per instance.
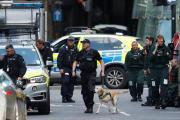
(19, 84)
(49, 63)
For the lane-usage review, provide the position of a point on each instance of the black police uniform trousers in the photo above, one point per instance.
(88, 80)
(67, 81)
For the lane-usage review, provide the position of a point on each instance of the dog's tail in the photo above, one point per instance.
(124, 91)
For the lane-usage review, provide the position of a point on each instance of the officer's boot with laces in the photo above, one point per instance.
(148, 103)
(64, 100)
(157, 106)
(70, 100)
(163, 104)
(89, 110)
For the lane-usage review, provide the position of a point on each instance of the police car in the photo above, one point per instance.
(36, 79)
(112, 48)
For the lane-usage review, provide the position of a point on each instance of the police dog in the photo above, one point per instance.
(107, 96)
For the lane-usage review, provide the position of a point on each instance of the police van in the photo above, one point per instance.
(112, 48)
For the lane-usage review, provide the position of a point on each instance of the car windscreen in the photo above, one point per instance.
(30, 56)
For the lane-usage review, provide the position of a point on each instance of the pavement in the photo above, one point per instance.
(126, 110)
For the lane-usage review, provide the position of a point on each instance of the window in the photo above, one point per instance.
(96, 42)
(117, 44)
(33, 60)
(63, 43)
(107, 45)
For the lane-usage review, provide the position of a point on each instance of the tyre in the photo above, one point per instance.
(45, 110)
(115, 78)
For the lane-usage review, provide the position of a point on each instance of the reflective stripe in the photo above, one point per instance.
(55, 55)
(79, 46)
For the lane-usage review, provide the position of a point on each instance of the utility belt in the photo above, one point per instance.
(88, 71)
(157, 66)
(68, 66)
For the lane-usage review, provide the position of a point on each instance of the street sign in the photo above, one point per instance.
(171, 2)
(57, 15)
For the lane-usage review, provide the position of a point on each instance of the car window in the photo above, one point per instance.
(62, 43)
(96, 42)
(117, 44)
(30, 55)
(107, 45)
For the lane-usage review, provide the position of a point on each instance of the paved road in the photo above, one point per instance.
(127, 110)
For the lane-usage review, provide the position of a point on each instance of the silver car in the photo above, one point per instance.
(36, 79)
(2, 101)
(15, 98)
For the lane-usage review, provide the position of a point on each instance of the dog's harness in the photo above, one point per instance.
(108, 93)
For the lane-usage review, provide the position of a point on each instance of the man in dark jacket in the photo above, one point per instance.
(173, 86)
(160, 55)
(66, 57)
(13, 64)
(45, 52)
(134, 64)
(149, 43)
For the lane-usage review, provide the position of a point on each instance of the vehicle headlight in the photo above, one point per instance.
(38, 79)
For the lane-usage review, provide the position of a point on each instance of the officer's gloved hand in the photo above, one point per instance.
(19, 78)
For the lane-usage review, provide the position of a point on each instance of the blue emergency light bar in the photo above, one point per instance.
(39, 5)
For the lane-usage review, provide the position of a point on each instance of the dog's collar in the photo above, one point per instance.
(108, 93)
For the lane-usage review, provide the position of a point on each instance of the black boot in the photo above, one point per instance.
(139, 98)
(140, 91)
(148, 103)
(134, 99)
(89, 110)
(64, 100)
(163, 104)
(70, 100)
(133, 93)
(157, 106)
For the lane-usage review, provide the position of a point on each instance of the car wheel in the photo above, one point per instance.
(45, 110)
(15, 114)
(115, 78)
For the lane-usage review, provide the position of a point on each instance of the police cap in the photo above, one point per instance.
(85, 41)
(71, 38)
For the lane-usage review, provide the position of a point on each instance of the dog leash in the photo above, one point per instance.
(108, 93)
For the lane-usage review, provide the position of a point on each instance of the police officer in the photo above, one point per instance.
(66, 57)
(160, 55)
(133, 66)
(174, 74)
(45, 52)
(173, 86)
(13, 64)
(87, 59)
(149, 43)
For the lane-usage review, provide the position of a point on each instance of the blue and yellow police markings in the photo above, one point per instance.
(110, 56)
